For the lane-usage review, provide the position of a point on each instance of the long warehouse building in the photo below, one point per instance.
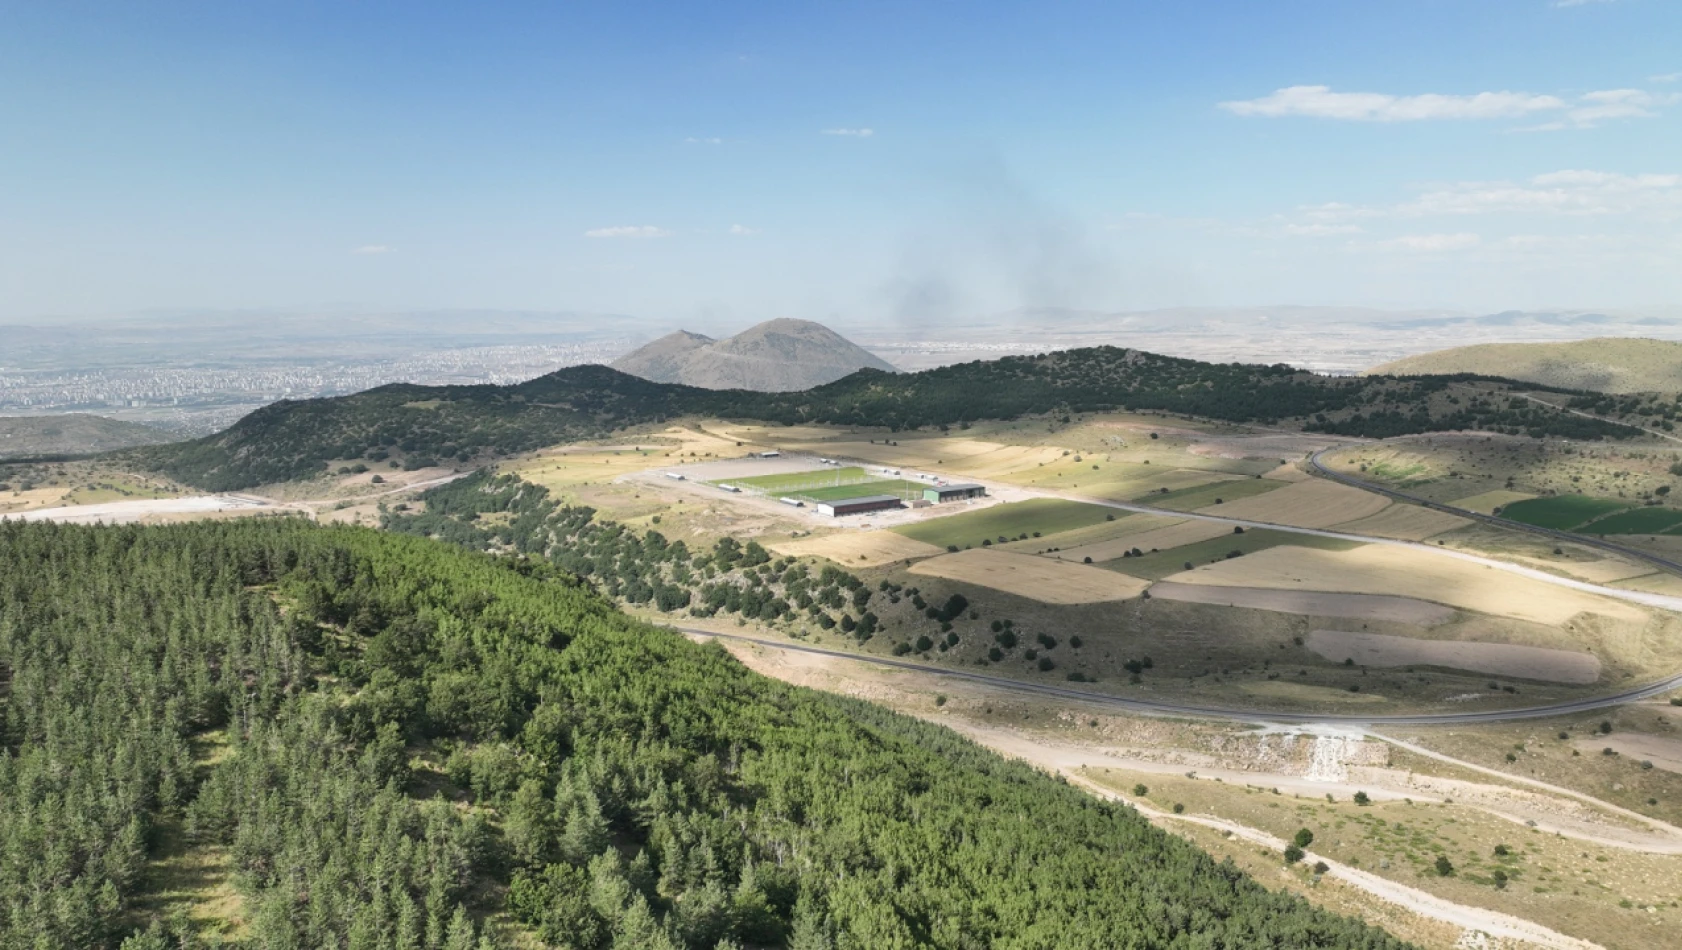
(859, 506)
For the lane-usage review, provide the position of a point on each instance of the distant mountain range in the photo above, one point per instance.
(422, 426)
(1604, 364)
(72, 434)
(774, 356)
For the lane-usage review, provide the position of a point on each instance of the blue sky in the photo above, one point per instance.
(713, 164)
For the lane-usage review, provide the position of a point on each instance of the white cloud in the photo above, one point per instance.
(1585, 111)
(703, 140)
(1337, 211)
(371, 249)
(1321, 230)
(1321, 102)
(1573, 192)
(629, 231)
(854, 133)
(1666, 77)
(1434, 242)
(1618, 104)
(741, 230)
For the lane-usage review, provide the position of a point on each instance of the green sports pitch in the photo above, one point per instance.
(826, 484)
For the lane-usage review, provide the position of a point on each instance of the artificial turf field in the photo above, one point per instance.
(827, 484)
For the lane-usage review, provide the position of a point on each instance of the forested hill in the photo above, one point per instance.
(364, 740)
(421, 425)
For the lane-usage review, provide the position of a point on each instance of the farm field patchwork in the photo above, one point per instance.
(1119, 482)
(1406, 522)
(1561, 512)
(1125, 523)
(1043, 515)
(1203, 496)
(1172, 561)
(1643, 520)
(1315, 504)
(1410, 572)
(1036, 578)
(1156, 536)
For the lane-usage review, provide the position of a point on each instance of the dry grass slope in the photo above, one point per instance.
(1605, 364)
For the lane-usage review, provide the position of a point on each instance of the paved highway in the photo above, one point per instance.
(1165, 708)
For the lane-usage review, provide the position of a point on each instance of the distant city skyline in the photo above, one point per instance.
(864, 164)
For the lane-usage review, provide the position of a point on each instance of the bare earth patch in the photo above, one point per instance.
(1410, 572)
(1312, 603)
(1663, 753)
(859, 549)
(129, 512)
(1505, 659)
(1036, 578)
(1316, 504)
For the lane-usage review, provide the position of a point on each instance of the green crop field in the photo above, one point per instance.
(1636, 521)
(1156, 566)
(1562, 512)
(1202, 496)
(1042, 515)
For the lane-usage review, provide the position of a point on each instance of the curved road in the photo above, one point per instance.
(1166, 708)
(1156, 707)
(1319, 468)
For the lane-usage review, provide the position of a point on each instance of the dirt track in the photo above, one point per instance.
(1070, 761)
(133, 512)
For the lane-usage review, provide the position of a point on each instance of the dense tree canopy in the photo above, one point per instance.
(424, 747)
(423, 425)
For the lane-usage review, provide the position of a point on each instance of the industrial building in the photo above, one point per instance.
(945, 493)
(858, 506)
